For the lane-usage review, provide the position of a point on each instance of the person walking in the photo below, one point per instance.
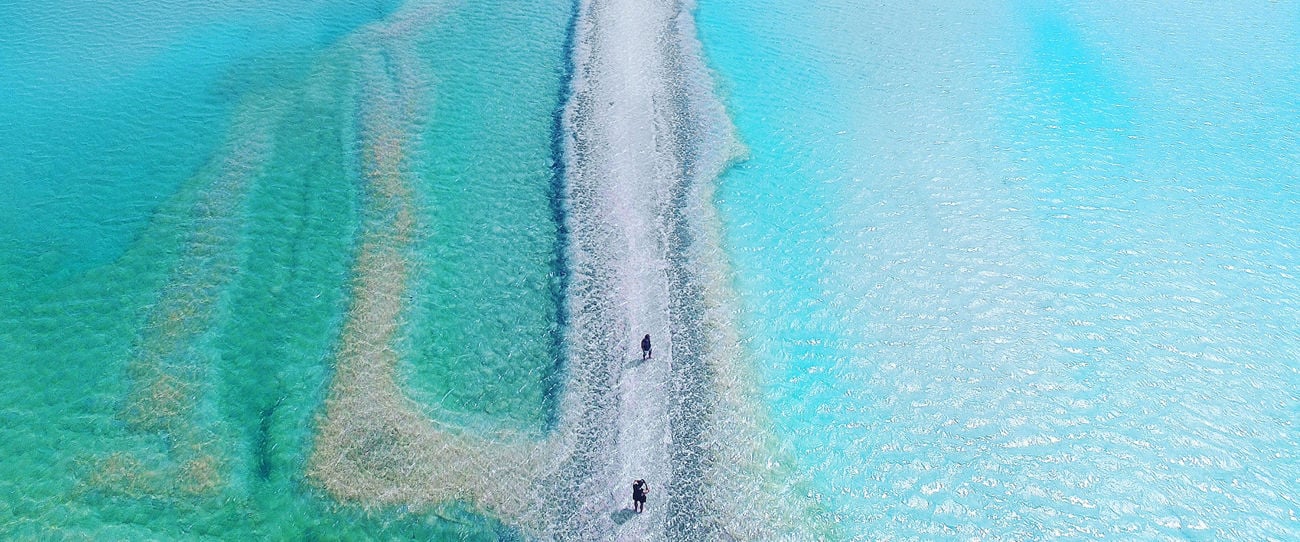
(639, 490)
(646, 353)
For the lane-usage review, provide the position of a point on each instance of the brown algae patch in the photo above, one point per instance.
(374, 446)
(168, 370)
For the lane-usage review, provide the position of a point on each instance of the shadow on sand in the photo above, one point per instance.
(636, 362)
(620, 517)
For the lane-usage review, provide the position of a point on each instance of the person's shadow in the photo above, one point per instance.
(620, 517)
(632, 364)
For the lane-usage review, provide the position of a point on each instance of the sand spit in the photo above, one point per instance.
(644, 139)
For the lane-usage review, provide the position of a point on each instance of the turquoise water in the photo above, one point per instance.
(986, 270)
(493, 231)
(1025, 270)
(179, 241)
(93, 101)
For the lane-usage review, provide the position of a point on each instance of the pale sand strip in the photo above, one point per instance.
(625, 168)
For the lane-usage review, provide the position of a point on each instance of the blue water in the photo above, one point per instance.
(1022, 271)
(1010, 271)
(108, 108)
(179, 238)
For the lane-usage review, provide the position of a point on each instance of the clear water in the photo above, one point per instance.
(1013, 271)
(1026, 270)
(179, 237)
(490, 267)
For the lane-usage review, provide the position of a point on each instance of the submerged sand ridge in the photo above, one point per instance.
(374, 445)
(169, 370)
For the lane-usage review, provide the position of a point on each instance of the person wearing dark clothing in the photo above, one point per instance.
(645, 347)
(639, 491)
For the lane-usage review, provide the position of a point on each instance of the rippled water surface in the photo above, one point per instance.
(1026, 270)
(1004, 270)
(178, 239)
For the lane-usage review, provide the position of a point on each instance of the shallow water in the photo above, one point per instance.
(485, 334)
(998, 271)
(1022, 271)
(178, 250)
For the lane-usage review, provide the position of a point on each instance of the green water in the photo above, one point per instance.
(487, 282)
(165, 350)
